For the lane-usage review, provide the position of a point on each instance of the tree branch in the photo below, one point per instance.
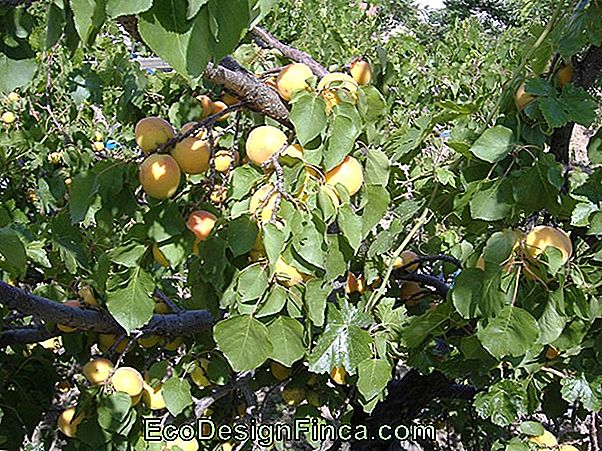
(26, 335)
(268, 40)
(187, 322)
(587, 72)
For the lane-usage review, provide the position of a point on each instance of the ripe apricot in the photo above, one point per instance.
(67, 424)
(218, 107)
(86, 293)
(263, 142)
(13, 97)
(521, 98)
(201, 223)
(259, 200)
(219, 194)
(206, 105)
(184, 445)
(546, 439)
(409, 293)
(106, 341)
(159, 176)
(404, 258)
(293, 395)
(192, 155)
(565, 75)
(153, 397)
(8, 117)
(73, 304)
(97, 371)
(224, 159)
(338, 80)
(199, 373)
(151, 132)
(280, 371)
(293, 78)
(538, 239)
(127, 379)
(338, 375)
(361, 71)
(349, 174)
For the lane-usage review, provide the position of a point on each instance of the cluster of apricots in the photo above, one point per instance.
(9, 117)
(563, 76)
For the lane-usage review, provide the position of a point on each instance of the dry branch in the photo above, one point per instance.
(187, 322)
(268, 40)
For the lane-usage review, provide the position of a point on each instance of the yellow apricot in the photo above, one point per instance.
(219, 194)
(361, 72)
(409, 293)
(224, 159)
(97, 371)
(153, 397)
(199, 374)
(286, 274)
(13, 97)
(280, 371)
(293, 78)
(293, 395)
(173, 344)
(404, 258)
(67, 424)
(151, 132)
(339, 80)
(128, 380)
(159, 256)
(546, 439)
(567, 448)
(541, 237)
(551, 353)
(338, 375)
(161, 308)
(148, 341)
(521, 98)
(86, 293)
(73, 304)
(192, 155)
(348, 173)
(8, 117)
(293, 151)
(184, 445)
(263, 142)
(159, 176)
(258, 200)
(98, 146)
(106, 341)
(332, 193)
(206, 105)
(218, 107)
(565, 75)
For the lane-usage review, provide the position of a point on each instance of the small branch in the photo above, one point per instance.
(289, 52)
(440, 286)
(187, 322)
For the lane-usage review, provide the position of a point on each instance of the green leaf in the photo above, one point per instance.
(467, 293)
(286, 336)
(113, 410)
(502, 403)
(54, 25)
(594, 148)
(343, 132)
(494, 144)
(176, 393)
(194, 7)
(242, 233)
(185, 45)
(373, 377)
(16, 73)
(377, 168)
(494, 202)
(531, 428)
(580, 389)
(308, 117)
(377, 201)
(343, 342)
(553, 319)
(351, 226)
(244, 341)
(511, 333)
(128, 255)
(116, 8)
(12, 253)
(81, 194)
(89, 15)
(309, 244)
(132, 304)
(252, 282)
(274, 302)
(316, 294)
(243, 179)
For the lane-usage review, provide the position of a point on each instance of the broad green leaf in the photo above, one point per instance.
(343, 342)
(494, 144)
(373, 376)
(309, 244)
(113, 410)
(116, 8)
(81, 193)
(502, 403)
(467, 293)
(316, 294)
(128, 255)
(377, 168)
(493, 202)
(242, 233)
(286, 336)
(377, 200)
(511, 333)
(252, 282)
(243, 179)
(499, 247)
(344, 130)
(351, 226)
(580, 389)
(89, 15)
(531, 428)
(176, 393)
(244, 341)
(194, 7)
(54, 25)
(308, 117)
(16, 73)
(274, 302)
(553, 319)
(132, 304)
(594, 148)
(12, 252)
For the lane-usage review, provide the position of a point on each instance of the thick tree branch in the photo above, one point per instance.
(587, 72)
(26, 335)
(268, 40)
(187, 322)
